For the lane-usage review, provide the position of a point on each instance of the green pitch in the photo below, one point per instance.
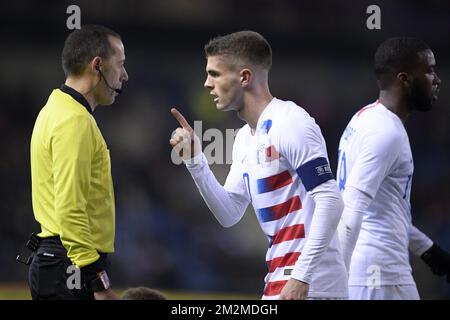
(20, 292)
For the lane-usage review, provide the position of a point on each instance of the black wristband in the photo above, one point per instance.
(90, 271)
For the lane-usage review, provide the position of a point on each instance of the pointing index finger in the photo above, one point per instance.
(181, 119)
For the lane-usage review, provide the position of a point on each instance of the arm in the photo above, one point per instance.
(227, 203)
(323, 226)
(72, 151)
(418, 241)
(356, 202)
(228, 207)
(305, 150)
(326, 216)
(434, 256)
(73, 148)
(372, 164)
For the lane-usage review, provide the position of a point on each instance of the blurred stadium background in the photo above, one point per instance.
(166, 238)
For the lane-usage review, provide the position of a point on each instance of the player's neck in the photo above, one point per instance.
(395, 103)
(254, 106)
(83, 87)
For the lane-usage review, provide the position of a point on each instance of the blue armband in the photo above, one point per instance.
(314, 173)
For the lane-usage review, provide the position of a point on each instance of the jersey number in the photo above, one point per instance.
(247, 182)
(342, 170)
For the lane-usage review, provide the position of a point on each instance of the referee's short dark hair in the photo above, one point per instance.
(394, 55)
(82, 45)
(247, 46)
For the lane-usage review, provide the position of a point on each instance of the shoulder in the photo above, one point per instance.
(75, 123)
(290, 111)
(288, 116)
(385, 138)
(294, 130)
(62, 112)
(64, 106)
(379, 121)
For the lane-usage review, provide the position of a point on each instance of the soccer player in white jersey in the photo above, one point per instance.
(375, 172)
(280, 165)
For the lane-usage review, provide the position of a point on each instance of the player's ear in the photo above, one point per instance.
(405, 79)
(245, 77)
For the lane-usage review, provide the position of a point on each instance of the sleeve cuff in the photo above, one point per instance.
(301, 275)
(419, 251)
(196, 162)
(90, 271)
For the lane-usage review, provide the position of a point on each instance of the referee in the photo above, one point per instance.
(72, 189)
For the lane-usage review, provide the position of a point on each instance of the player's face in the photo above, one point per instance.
(113, 70)
(223, 82)
(426, 83)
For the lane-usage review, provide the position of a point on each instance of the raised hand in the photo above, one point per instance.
(184, 140)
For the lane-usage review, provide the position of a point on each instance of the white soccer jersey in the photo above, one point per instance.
(375, 157)
(273, 169)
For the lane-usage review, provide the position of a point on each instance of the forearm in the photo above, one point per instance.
(325, 219)
(355, 203)
(418, 241)
(228, 208)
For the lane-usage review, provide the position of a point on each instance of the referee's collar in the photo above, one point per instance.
(77, 96)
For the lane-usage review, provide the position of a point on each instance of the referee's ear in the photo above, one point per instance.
(95, 65)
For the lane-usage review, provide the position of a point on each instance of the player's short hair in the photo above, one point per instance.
(143, 293)
(247, 46)
(84, 44)
(395, 55)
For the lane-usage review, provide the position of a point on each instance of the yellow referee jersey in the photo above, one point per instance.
(72, 190)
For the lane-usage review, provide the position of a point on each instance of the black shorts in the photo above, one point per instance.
(49, 274)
